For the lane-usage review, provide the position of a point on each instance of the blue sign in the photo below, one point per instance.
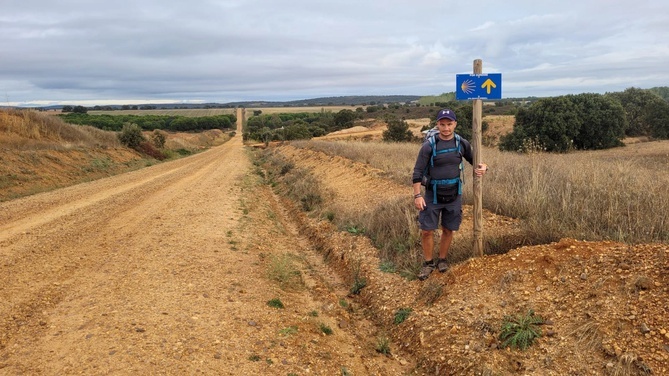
(478, 86)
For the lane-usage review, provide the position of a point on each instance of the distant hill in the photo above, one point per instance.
(352, 100)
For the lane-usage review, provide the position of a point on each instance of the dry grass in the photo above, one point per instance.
(395, 159)
(617, 194)
(28, 129)
(283, 269)
(588, 336)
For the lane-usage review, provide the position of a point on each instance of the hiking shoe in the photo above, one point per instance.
(428, 267)
(442, 265)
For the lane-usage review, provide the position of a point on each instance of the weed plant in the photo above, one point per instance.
(359, 282)
(520, 331)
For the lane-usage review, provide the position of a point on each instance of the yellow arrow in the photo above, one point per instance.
(488, 84)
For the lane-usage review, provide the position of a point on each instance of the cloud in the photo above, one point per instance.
(235, 50)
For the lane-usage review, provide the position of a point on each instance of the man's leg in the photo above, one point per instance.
(427, 241)
(444, 245)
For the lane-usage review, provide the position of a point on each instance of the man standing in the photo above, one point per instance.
(439, 167)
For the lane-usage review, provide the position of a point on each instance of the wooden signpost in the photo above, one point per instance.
(477, 115)
(477, 87)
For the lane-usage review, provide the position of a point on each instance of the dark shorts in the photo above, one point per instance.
(451, 214)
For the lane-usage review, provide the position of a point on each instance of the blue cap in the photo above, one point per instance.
(446, 114)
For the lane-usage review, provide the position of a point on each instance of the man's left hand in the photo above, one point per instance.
(481, 169)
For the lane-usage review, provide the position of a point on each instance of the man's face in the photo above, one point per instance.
(446, 128)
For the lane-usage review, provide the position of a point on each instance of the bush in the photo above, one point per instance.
(158, 139)
(131, 135)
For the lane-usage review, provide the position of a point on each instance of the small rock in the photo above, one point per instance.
(140, 330)
(343, 324)
(644, 328)
(217, 355)
(252, 323)
(584, 276)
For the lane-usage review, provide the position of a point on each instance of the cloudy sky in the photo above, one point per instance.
(150, 51)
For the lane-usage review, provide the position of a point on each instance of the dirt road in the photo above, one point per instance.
(164, 271)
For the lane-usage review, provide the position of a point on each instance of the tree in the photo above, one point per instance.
(344, 119)
(551, 124)
(640, 111)
(602, 122)
(80, 110)
(657, 116)
(398, 131)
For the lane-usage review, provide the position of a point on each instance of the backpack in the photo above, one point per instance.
(431, 137)
(430, 133)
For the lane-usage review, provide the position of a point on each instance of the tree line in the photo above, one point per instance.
(588, 121)
(152, 122)
(296, 126)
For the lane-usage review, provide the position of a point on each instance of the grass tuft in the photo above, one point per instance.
(325, 329)
(401, 315)
(275, 303)
(283, 270)
(383, 344)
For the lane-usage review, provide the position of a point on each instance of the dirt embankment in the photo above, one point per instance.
(604, 302)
